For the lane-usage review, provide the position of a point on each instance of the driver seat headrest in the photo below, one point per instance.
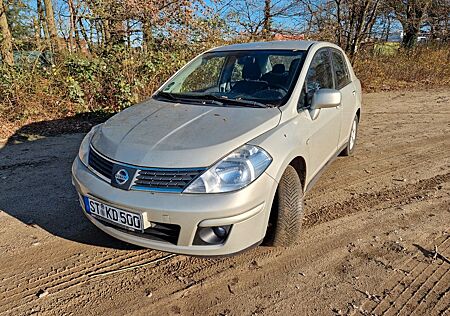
(278, 69)
(251, 71)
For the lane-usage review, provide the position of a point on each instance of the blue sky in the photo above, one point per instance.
(296, 24)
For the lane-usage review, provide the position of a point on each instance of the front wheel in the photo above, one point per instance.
(287, 211)
(351, 143)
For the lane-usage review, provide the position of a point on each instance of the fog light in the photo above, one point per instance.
(211, 235)
(220, 231)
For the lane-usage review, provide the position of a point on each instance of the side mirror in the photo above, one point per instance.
(324, 99)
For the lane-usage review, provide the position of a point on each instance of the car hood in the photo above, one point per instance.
(173, 135)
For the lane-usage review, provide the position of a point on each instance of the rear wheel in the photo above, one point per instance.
(351, 143)
(287, 210)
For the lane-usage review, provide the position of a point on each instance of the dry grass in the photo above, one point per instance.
(421, 68)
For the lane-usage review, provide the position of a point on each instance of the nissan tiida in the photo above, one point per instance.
(219, 158)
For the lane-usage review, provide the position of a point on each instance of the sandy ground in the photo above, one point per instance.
(367, 247)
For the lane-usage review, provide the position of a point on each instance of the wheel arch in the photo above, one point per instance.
(299, 164)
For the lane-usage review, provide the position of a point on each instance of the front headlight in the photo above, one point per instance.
(235, 171)
(83, 152)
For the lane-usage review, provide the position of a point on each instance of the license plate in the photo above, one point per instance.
(114, 215)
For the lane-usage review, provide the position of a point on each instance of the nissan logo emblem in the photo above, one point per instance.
(121, 176)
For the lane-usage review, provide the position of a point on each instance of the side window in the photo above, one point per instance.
(319, 76)
(319, 73)
(342, 75)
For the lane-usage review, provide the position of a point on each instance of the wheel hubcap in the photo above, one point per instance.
(353, 135)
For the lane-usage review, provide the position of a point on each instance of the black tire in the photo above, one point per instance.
(287, 211)
(350, 148)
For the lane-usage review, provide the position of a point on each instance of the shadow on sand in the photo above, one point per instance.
(35, 179)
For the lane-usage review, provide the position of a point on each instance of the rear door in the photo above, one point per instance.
(343, 83)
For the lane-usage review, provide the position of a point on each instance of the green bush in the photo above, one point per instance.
(109, 81)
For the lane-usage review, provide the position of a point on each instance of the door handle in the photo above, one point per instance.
(354, 92)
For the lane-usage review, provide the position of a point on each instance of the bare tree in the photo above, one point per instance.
(322, 20)
(255, 18)
(411, 14)
(361, 17)
(6, 38)
(439, 19)
(348, 23)
(50, 19)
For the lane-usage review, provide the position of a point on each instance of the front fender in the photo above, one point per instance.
(285, 143)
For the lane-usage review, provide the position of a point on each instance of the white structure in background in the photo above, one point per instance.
(397, 37)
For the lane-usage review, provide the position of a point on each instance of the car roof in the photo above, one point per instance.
(287, 45)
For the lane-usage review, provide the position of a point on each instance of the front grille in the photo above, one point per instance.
(148, 179)
(166, 179)
(159, 232)
(100, 164)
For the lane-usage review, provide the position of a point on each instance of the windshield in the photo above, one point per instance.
(257, 77)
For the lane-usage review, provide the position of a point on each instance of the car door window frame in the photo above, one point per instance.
(347, 70)
(333, 81)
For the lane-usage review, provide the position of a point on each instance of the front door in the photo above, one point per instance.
(325, 128)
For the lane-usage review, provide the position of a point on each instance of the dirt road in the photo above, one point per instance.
(367, 247)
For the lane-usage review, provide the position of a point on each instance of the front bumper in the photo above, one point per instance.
(247, 210)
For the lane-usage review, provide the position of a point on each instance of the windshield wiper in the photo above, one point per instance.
(166, 95)
(237, 101)
(211, 98)
(184, 98)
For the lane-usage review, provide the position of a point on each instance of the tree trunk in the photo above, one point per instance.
(339, 26)
(410, 33)
(359, 26)
(50, 18)
(84, 34)
(388, 28)
(117, 33)
(37, 33)
(128, 33)
(77, 35)
(72, 46)
(106, 33)
(351, 25)
(267, 19)
(76, 30)
(42, 23)
(6, 38)
(98, 30)
(147, 35)
(411, 26)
